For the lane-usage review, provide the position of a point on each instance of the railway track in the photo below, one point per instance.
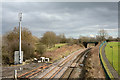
(58, 67)
(70, 73)
(70, 70)
(59, 70)
(33, 72)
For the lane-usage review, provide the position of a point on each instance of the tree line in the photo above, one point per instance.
(33, 46)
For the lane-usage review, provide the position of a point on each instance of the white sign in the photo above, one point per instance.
(17, 58)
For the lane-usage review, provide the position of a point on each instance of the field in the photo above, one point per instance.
(56, 46)
(111, 51)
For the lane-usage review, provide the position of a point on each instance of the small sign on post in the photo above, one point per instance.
(17, 58)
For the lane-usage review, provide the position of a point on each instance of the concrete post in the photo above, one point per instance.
(15, 74)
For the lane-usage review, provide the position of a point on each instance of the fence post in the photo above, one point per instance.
(15, 74)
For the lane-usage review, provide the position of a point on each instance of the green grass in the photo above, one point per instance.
(114, 50)
(56, 46)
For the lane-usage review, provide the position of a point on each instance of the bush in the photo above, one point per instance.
(41, 49)
(11, 44)
(5, 58)
(28, 50)
(49, 39)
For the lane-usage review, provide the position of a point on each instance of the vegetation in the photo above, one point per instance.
(61, 38)
(40, 49)
(49, 39)
(56, 46)
(11, 44)
(111, 51)
(31, 45)
(102, 35)
(34, 47)
(87, 39)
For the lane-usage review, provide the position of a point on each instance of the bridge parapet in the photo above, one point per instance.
(86, 43)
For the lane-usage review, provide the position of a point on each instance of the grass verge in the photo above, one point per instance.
(56, 46)
(111, 51)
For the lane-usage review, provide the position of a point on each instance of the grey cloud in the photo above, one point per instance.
(71, 18)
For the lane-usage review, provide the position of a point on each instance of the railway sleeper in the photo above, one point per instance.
(74, 65)
(66, 73)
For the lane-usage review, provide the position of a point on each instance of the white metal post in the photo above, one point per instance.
(20, 19)
(15, 74)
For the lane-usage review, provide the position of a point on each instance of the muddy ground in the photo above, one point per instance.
(92, 66)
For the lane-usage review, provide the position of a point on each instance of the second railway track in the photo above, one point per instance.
(65, 69)
(33, 72)
(73, 71)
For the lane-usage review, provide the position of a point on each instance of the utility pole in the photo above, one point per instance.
(20, 19)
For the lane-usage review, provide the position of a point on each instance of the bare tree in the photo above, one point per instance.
(102, 35)
(62, 38)
(84, 39)
(110, 38)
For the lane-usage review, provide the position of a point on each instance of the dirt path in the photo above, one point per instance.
(93, 67)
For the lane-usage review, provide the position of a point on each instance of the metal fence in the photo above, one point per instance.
(102, 45)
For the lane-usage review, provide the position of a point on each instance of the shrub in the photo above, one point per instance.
(41, 49)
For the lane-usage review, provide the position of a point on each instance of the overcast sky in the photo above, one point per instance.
(71, 18)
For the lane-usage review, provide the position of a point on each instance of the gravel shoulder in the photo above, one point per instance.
(93, 67)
